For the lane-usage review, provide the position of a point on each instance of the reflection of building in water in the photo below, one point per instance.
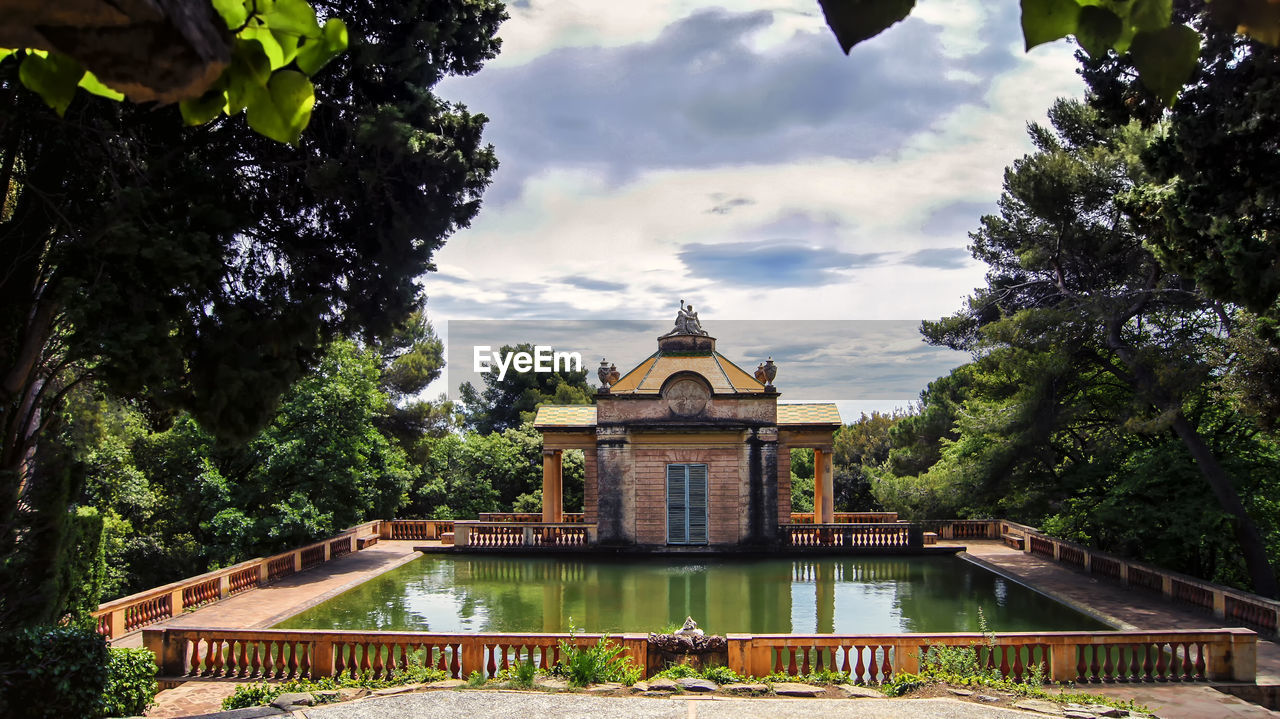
(687, 449)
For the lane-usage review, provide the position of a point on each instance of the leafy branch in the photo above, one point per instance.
(277, 46)
(1164, 52)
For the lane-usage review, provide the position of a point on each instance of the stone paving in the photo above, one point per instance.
(265, 606)
(1112, 602)
(1131, 609)
(491, 704)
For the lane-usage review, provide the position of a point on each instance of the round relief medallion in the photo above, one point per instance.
(687, 397)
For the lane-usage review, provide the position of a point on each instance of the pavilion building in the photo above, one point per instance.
(687, 448)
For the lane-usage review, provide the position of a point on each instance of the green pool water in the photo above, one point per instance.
(875, 595)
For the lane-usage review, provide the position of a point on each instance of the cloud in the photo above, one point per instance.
(942, 258)
(956, 218)
(592, 283)
(724, 207)
(772, 263)
(702, 93)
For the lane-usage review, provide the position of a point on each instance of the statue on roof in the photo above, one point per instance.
(686, 322)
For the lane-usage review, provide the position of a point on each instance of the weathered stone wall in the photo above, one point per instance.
(784, 484)
(725, 491)
(589, 492)
(754, 410)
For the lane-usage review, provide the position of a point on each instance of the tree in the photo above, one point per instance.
(322, 465)
(506, 403)
(204, 269)
(1071, 279)
(412, 357)
(860, 448)
(1214, 191)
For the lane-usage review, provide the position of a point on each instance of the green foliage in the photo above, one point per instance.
(53, 671)
(801, 493)
(463, 475)
(277, 46)
(965, 667)
(262, 693)
(1209, 202)
(853, 22)
(131, 682)
(802, 480)
(1163, 52)
(476, 679)
(860, 450)
(524, 674)
(508, 402)
(721, 675)
(251, 695)
(51, 561)
(604, 661)
(679, 671)
(1097, 378)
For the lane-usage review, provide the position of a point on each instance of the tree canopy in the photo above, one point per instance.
(1089, 352)
(204, 269)
(508, 402)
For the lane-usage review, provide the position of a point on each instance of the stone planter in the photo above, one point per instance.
(699, 652)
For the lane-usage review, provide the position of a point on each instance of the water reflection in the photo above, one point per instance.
(830, 595)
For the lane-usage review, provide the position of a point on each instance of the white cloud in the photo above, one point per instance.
(571, 220)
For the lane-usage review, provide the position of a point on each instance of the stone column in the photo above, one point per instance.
(762, 490)
(552, 486)
(823, 488)
(615, 487)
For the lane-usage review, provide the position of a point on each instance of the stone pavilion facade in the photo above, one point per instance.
(687, 449)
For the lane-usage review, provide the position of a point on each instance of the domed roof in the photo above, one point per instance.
(724, 376)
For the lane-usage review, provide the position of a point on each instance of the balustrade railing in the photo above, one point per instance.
(1251, 610)
(122, 616)
(847, 517)
(523, 534)
(1226, 655)
(872, 536)
(428, 529)
(525, 517)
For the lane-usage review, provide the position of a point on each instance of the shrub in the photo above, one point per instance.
(721, 675)
(604, 661)
(419, 670)
(131, 682)
(525, 673)
(475, 680)
(251, 695)
(64, 667)
(261, 694)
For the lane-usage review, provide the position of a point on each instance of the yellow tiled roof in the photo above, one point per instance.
(808, 414)
(631, 380)
(574, 415)
(584, 415)
(724, 376)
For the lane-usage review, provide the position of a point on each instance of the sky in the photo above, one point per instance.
(730, 155)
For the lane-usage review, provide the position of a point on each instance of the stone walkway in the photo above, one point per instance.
(1131, 609)
(265, 606)
(492, 704)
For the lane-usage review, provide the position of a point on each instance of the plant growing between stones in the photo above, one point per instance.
(604, 661)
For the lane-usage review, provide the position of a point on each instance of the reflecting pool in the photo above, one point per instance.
(844, 595)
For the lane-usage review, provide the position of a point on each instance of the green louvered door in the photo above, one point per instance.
(686, 504)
